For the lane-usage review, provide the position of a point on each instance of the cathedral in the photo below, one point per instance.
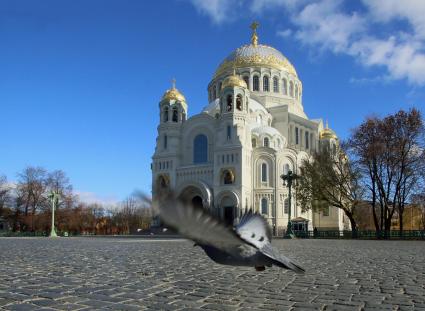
(229, 158)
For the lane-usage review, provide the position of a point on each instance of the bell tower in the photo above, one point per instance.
(173, 113)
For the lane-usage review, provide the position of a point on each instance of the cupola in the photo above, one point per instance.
(327, 133)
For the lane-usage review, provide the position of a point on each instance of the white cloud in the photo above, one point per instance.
(258, 6)
(413, 11)
(218, 10)
(90, 197)
(326, 25)
(284, 33)
(321, 24)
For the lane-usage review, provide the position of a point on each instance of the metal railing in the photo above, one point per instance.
(362, 234)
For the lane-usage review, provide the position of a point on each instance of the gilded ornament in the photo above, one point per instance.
(327, 133)
(254, 37)
(232, 81)
(256, 58)
(173, 93)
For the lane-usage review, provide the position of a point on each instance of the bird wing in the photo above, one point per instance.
(197, 224)
(279, 260)
(254, 229)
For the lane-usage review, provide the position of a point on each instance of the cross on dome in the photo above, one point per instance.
(254, 37)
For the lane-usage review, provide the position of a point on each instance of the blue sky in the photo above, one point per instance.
(80, 80)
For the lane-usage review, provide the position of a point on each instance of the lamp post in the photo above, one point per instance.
(54, 197)
(288, 179)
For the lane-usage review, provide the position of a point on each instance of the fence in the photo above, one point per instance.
(362, 234)
(330, 234)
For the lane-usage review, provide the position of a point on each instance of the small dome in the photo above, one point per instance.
(327, 133)
(262, 129)
(233, 80)
(173, 94)
(256, 106)
(213, 107)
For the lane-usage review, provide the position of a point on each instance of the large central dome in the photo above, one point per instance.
(252, 55)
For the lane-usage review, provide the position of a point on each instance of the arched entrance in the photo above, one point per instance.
(192, 195)
(228, 207)
(196, 193)
(197, 202)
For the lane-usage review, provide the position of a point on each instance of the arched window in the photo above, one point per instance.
(162, 182)
(275, 85)
(214, 92)
(291, 89)
(296, 91)
(306, 140)
(165, 141)
(285, 87)
(266, 142)
(254, 142)
(239, 102)
(246, 79)
(264, 172)
(255, 83)
(229, 132)
(264, 206)
(266, 87)
(200, 149)
(259, 119)
(326, 211)
(286, 206)
(228, 177)
(219, 86)
(175, 115)
(165, 114)
(229, 102)
(286, 169)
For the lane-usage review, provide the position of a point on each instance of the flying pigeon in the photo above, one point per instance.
(247, 244)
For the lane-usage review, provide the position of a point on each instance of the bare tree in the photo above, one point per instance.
(388, 151)
(329, 179)
(57, 181)
(31, 188)
(5, 193)
(419, 201)
(408, 150)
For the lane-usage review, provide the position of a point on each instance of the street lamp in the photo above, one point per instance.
(288, 179)
(54, 197)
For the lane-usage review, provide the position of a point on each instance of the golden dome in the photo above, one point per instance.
(233, 80)
(255, 55)
(327, 133)
(259, 55)
(173, 94)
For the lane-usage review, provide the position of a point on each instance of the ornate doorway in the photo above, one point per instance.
(197, 202)
(229, 216)
(228, 210)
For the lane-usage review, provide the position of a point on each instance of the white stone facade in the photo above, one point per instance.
(230, 156)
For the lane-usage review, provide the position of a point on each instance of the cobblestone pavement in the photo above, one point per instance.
(135, 274)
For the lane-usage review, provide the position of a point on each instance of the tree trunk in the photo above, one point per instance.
(400, 219)
(353, 225)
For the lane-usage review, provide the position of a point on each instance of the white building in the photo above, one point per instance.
(229, 157)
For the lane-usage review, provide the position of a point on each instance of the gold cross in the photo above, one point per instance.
(254, 26)
(254, 37)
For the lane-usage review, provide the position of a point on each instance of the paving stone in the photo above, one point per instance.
(136, 274)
